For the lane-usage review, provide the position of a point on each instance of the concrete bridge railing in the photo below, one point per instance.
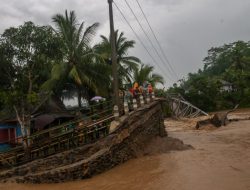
(132, 132)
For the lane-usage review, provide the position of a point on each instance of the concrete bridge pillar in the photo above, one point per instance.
(141, 101)
(126, 110)
(116, 113)
(135, 104)
(148, 99)
(153, 95)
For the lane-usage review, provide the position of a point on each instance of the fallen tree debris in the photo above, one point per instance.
(218, 120)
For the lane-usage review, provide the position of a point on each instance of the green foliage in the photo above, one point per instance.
(27, 55)
(37, 60)
(126, 64)
(160, 93)
(145, 73)
(32, 98)
(224, 80)
(166, 110)
(80, 67)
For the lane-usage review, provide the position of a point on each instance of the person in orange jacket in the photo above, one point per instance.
(150, 88)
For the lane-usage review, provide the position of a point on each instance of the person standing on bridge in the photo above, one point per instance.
(136, 90)
(150, 88)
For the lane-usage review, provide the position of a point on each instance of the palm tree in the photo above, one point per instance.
(79, 65)
(145, 73)
(126, 63)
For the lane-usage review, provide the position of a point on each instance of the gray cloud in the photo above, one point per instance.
(185, 28)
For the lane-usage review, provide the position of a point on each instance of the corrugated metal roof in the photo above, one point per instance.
(5, 126)
(45, 119)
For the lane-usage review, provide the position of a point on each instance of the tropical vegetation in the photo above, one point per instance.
(37, 62)
(223, 82)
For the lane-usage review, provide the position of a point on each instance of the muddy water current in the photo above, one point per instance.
(220, 160)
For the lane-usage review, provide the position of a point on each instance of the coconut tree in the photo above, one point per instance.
(145, 73)
(79, 66)
(126, 63)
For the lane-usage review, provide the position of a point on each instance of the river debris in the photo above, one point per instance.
(218, 120)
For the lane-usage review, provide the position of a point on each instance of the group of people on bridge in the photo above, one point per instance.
(144, 89)
(136, 90)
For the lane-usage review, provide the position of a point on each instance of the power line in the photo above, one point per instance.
(163, 53)
(139, 39)
(150, 41)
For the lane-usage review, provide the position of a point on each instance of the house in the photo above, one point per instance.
(45, 121)
(10, 134)
(226, 86)
(51, 112)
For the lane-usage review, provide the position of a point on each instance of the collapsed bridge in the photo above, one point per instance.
(73, 152)
(84, 160)
(181, 108)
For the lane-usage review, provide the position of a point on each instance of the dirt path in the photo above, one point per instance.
(220, 160)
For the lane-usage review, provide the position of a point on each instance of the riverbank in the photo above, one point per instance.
(220, 160)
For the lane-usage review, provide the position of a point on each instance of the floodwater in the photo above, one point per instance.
(220, 160)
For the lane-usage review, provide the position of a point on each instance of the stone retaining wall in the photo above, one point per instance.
(127, 142)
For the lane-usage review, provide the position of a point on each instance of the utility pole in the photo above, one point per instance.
(114, 56)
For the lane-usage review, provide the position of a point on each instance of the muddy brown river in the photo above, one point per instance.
(220, 160)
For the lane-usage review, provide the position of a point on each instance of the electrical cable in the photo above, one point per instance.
(139, 39)
(147, 36)
(163, 53)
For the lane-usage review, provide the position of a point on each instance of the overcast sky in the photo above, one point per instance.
(186, 29)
